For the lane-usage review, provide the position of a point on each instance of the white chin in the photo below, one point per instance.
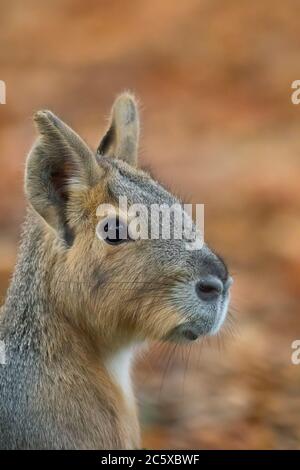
(220, 318)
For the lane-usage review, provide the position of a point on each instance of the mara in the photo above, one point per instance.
(78, 306)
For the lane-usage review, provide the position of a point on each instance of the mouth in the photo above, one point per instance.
(207, 324)
(185, 333)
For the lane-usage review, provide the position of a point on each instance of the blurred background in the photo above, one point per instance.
(218, 125)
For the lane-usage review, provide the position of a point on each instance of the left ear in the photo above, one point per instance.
(59, 167)
(122, 137)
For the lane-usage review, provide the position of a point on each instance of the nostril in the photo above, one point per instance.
(209, 288)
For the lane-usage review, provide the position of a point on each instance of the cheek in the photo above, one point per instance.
(157, 322)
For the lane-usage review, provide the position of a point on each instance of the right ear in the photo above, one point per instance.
(59, 165)
(122, 137)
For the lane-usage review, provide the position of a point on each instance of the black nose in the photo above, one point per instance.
(209, 288)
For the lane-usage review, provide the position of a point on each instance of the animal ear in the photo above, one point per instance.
(58, 167)
(122, 137)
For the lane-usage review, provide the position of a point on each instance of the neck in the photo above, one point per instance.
(29, 318)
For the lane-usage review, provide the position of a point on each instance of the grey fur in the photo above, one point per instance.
(47, 399)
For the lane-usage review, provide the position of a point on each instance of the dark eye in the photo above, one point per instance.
(113, 230)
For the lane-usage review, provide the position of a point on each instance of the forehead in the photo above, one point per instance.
(137, 185)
